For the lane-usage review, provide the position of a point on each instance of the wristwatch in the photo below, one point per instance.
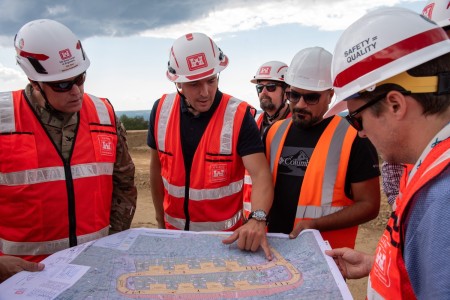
(258, 215)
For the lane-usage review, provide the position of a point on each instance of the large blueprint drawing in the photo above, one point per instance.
(165, 264)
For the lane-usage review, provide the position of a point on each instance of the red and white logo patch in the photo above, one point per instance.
(106, 145)
(197, 61)
(265, 70)
(65, 54)
(428, 10)
(218, 173)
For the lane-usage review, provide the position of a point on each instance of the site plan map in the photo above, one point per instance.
(166, 264)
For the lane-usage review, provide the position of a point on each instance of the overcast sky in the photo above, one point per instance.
(128, 41)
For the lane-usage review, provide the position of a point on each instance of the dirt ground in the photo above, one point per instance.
(366, 241)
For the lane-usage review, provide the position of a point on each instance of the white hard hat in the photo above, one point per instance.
(47, 50)
(438, 11)
(380, 45)
(194, 56)
(272, 70)
(310, 69)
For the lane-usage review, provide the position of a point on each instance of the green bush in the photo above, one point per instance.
(135, 123)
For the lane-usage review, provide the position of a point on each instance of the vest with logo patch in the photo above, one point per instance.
(323, 188)
(389, 278)
(49, 204)
(212, 193)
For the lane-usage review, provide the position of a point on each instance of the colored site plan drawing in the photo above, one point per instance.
(162, 264)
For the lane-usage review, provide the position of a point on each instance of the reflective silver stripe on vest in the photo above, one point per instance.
(7, 121)
(226, 136)
(102, 110)
(204, 194)
(205, 226)
(247, 206)
(47, 247)
(315, 212)
(247, 179)
(330, 177)
(332, 163)
(276, 141)
(443, 157)
(164, 115)
(41, 175)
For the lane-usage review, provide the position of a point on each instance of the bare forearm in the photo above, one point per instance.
(157, 192)
(157, 187)
(353, 215)
(262, 193)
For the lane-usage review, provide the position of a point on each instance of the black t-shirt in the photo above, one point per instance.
(297, 150)
(193, 127)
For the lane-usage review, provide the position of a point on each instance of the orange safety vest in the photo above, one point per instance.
(213, 190)
(48, 205)
(322, 192)
(247, 178)
(388, 278)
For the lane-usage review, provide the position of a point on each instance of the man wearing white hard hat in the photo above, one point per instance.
(201, 142)
(271, 88)
(397, 92)
(66, 176)
(325, 177)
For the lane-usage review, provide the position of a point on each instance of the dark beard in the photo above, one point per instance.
(303, 123)
(267, 105)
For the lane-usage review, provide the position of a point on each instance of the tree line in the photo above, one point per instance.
(134, 123)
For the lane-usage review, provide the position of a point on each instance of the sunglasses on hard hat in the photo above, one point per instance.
(270, 87)
(65, 86)
(309, 98)
(357, 122)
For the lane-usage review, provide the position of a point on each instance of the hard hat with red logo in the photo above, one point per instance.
(438, 11)
(47, 50)
(272, 70)
(194, 56)
(380, 45)
(310, 69)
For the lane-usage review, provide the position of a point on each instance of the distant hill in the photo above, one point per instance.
(134, 113)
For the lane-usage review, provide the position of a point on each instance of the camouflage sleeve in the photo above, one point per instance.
(124, 190)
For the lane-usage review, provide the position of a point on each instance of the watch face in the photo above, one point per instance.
(259, 215)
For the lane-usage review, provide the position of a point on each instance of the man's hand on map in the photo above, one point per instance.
(250, 236)
(352, 264)
(303, 224)
(10, 265)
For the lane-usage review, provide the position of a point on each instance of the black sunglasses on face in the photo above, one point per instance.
(65, 86)
(270, 87)
(357, 122)
(310, 98)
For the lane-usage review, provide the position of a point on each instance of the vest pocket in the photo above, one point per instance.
(17, 152)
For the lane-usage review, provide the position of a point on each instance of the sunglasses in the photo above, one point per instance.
(270, 87)
(65, 86)
(357, 122)
(310, 98)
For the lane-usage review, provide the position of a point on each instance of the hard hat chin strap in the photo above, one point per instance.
(47, 104)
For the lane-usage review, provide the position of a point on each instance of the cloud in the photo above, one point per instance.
(11, 77)
(170, 19)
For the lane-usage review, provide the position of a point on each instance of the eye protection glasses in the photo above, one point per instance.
(310, 98)
(356, 122)
(65, 86)
(270, 87)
